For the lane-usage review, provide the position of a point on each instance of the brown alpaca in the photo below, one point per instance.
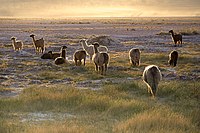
(47, 55)
(152, 76)
(177, 38)
(173, 57)
(39, 44)
(134, 56)
(79, 55)
(100, 59)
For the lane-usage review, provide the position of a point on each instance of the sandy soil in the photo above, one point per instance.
(123, 34)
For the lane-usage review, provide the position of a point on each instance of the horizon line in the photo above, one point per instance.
(2, 17)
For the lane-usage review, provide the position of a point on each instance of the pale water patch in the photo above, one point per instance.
(44, 116)
(13, 92)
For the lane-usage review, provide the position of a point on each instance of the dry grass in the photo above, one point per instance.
(121, 104)
(116, 108)
(160, 119)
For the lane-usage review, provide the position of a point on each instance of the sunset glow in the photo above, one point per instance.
(95, 8)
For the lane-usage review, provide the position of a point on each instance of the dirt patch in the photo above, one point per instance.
(104, 40)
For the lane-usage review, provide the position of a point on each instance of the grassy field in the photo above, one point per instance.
(123, 106)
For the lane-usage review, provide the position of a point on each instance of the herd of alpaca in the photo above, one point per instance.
(100, 57)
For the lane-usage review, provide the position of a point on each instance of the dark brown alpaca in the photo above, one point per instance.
(173, 57)
(177, 38)
(62, 58)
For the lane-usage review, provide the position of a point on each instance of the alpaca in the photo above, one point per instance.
(134, 56)
(79, 55)
(173, 57)
(17, 45)
(152, 76)
(100, 59)
(47, 55)
(177, 38)
(62, 58)
(89, 48)
(39, 44)
(56, 54)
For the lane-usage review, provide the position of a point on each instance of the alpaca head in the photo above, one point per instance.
(64, 47)
(32, 35)
(13, 38)
(96, 44)
(83, 40)
(171, 31)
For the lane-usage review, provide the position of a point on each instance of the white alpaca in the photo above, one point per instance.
(89, 48)
(152, 76)
(17, 45)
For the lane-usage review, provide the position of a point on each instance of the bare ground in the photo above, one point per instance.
(20, 69)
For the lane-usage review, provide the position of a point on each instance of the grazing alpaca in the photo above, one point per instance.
(47, 55)
(89, 48)
(62, 59)
(39, 44)
(134, 56)
(152, 76)
(17, 45)
(173, 57)
(100, 59)
(177, 38)
(79, 55)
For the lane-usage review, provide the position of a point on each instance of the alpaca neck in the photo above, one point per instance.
(33, 39)
(14, 41)
(84, 44)
(95, 50)
(172, 34)
(63, 54)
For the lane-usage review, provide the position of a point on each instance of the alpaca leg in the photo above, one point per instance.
(181, 43)
(80, 62)
(106, 67)
(42, 49)
(175, 44)
(96, 67)
(75, 62)
(84, 61)
(138, 62)
(133, 63)
(90, 58)
(175, 63)
(149, 90)
(99, 70)
(102, 70)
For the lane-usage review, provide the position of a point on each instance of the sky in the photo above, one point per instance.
(98, 8)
